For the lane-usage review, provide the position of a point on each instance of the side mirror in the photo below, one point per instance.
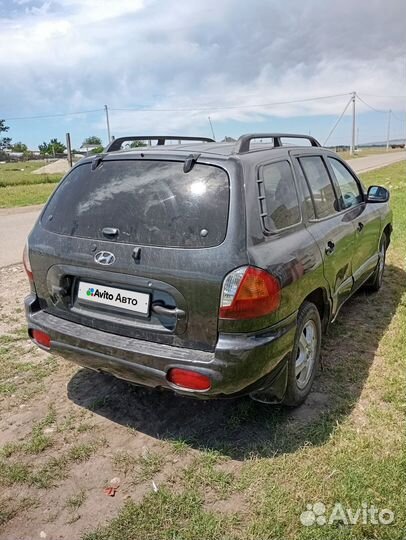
(377, 194)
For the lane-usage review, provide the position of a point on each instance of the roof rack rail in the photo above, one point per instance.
(116, 144)
(243, 143)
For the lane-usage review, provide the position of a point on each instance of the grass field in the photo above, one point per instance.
(25, 195)
(210, 470)
(363, 152)
(20, 187)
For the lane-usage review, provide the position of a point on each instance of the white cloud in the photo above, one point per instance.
(65, 55)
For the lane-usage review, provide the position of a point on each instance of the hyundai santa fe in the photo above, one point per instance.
(210, 269)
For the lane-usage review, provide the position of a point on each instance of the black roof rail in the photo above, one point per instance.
(243, 143)
(116, 144)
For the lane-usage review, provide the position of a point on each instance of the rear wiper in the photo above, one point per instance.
(190, 162)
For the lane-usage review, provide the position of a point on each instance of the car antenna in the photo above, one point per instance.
(190, 162)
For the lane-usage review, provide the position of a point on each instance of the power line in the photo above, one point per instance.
(396, 117)
(226, 107)
(51, 115)
(370, 106)
(379, 110)
(199, 108)
(236, 96)
(338, 121)
(382, 96)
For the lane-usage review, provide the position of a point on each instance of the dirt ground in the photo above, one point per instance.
(106, 419)
(58, 166)
(66, 432)
(80, 427)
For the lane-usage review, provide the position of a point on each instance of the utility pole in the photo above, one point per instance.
(405, 128)
(388, 133)
(405, 111)
(211, 127)
(69, 149)
(352, 149)
(108, 124)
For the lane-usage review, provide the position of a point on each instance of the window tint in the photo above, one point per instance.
(350, 193)
(282, 206)
(307, 203)
(320, 185)
(150, 202)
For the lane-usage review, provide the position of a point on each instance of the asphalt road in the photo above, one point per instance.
(16, 223)
(368, 163)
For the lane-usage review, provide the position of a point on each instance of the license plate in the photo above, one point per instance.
(111, 296)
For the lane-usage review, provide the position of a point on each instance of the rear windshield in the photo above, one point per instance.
(149, 202)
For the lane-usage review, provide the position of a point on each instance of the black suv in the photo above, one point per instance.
(207, 268)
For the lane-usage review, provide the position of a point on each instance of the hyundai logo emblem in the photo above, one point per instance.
(104, 257)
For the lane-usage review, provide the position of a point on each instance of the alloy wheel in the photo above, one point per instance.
(306, 354)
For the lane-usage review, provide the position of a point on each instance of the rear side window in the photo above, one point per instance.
(281, 201)
(150, 202)
(350, 191)
(324, 198)
(307, 202)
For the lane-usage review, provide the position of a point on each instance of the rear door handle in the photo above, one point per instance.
(360, 226)
(330, 247)
(168, 312)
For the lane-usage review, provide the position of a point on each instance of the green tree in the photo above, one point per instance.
(19, 147)
(43, 148)
(137, 144)
(93, 139)
(57, 146)
(5, 142)
(53, 147)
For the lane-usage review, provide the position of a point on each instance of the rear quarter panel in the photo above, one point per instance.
(291, 255)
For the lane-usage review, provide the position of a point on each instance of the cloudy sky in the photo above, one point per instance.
(176, 62)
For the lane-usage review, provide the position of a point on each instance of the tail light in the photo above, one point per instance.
(249, 292)
(27, 264)
(41, 338)
(184, 378)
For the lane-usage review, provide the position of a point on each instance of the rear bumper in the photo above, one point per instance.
(240, 364)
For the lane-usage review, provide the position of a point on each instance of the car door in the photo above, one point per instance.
(365, 218)
(329, 226)
(278, 239)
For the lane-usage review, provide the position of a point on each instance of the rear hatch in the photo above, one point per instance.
(138, 247)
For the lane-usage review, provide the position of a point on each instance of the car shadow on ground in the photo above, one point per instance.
(240, 427)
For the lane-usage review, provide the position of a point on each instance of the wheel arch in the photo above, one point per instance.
(387, 232)
(319, 297)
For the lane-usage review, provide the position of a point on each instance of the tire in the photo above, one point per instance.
(375, 281)
(305, 353)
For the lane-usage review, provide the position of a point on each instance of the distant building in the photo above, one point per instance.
(88, 147)
(14, 156)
